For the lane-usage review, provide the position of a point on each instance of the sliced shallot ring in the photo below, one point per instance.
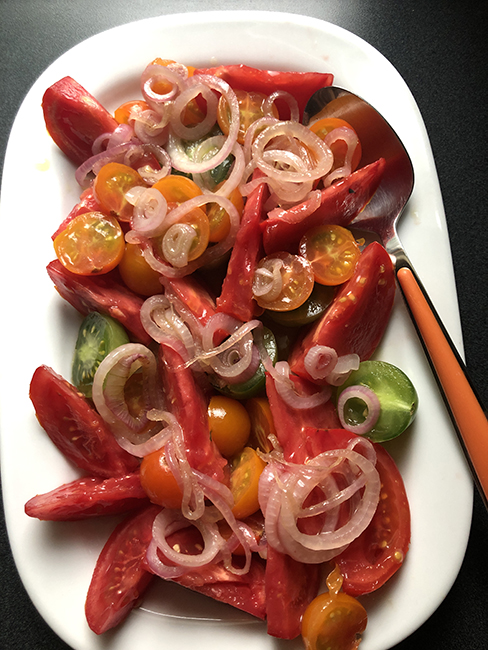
(154, 72)
(343, 368)
(288, 98)
(194, 87)
(150, 209)
(286, 389)
(320, 361)
(371, 401)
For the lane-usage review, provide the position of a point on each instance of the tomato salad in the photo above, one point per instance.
(223, 395)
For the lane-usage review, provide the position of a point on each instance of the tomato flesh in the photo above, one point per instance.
(294, 282)
(333, 253)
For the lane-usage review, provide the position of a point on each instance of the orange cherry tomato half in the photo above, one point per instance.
(219, 220)
(91, 244)
(327, 124)
(136, 272)
(199, 222)
(112, 182)
(158, 482)
(246, 469)
(229, 424)
(123, 112)
(193, 114)
(282, 281)
(262, 425)
(333, 619)
(177, 189)
(333, 253)
(251, 108)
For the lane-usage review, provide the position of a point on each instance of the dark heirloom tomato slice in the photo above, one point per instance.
(74, 118)
(236, 298)
(88, 497)
(187, 403)
(340, 203)
(105, 294)
(120, 578)
(357, 319)
(381, 549)
(76, 428)
(299, 84)
(290, 587)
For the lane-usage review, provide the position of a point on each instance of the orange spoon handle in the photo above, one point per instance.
(464, 405)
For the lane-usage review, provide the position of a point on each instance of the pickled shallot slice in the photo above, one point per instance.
(371, 410)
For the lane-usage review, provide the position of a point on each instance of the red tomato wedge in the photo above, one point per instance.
(120, 578)
(88, 497)
(339, 204)
(75, 119)
(299, 84)
(190, 294)
(290, 587)
(105, 294)
(356, 320)
(236, 298)
(76, 428)
(381, 549)
(187, 403)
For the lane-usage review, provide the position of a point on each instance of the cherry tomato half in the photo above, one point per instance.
(158, 482)
(218, 219)
(177, 189)
(282, 281)
(251, 108)
(332, 252)
(123, 112)
(229, 424)
(327, 124)
(112, 182)
(91, 244)
(247, 467)
(137, 274)
(170, 243)
(262, 425)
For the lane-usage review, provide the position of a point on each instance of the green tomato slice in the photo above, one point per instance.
(256, 384)
(312, 309)
(396, 394)
(98, 335)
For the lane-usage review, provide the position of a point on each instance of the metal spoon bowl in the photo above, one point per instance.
(381, 216)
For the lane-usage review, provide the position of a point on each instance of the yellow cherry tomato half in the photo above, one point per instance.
(158, 481)
(246, 469)
(198, 220)
(123, 112)
(218, 219)
(229, 424)
(91, 244)
(137, 274)
(282, 281)
(110, 186)
(323, 127)
(332, 252)
(251, 108)
(177, 189)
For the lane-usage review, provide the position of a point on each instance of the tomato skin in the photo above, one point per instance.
(230, 425)
(357, 319)
(378, 553)
(120, 578)
(299, 84)
(136, 273)
(247, 467)
(340, 203)
(76, 428)
(290, 587)
(88, 497)
(110, 185)
(103, 293)
(192, 294)
(158, 482)
(74, 118)
(236, 298)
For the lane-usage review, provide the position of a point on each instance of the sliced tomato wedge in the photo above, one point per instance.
(88, 497)
(340, 203)
(76, 428)
(356, 320)
(74, 118)
(105, 294)
(380, 550)
(120, 577)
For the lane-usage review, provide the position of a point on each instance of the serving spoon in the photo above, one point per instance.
(380, 216)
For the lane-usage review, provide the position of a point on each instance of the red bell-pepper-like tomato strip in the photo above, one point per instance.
(120, 578)
(75, 119)
(87, 203)
(378, 553)
(236, 298)
(340, 203)
(89, 497)
(290, 587)
(103, 293)
(299, 84)
(356, 321)
(293, 425)
(187, 403)
(76, 428)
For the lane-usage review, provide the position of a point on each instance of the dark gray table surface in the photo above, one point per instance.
(440, 49)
